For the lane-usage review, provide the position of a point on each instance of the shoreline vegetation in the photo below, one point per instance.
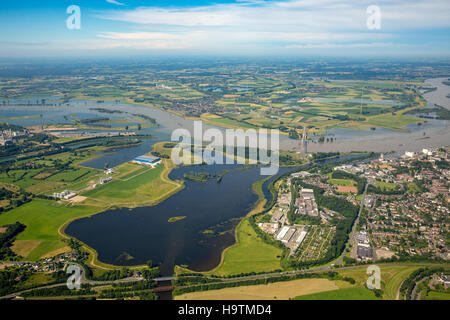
(175, 219)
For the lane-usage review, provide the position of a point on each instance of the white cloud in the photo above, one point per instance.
(115, 2)
(269, 26)
(306, 14)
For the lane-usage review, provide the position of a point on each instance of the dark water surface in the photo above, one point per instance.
(133, 236)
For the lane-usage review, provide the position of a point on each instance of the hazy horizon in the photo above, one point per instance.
(254, 28)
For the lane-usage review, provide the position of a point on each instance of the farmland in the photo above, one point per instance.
(340, 294)
(43, 220)
(259, 97)
(271, 291)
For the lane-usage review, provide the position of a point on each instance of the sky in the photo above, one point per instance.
(31, 28)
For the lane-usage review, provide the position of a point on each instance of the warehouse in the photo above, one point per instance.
(146, 160)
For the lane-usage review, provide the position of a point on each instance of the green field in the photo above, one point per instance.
(391, 278)
(43, 219)
(341, 294)
(250, 254)
(143, 186)
(434, 295)
(342, 182)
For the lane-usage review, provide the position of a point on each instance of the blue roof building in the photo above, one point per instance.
(146, 160)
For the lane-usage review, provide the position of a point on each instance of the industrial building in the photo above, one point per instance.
(364, 251)
(105, 180)
(306, 203)
(147, 160)
(66, 195)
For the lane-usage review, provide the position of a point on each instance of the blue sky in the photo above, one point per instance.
(246, 27)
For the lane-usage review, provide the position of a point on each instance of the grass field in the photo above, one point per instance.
(434, 295)
(43, 219)
(391, 278)
(272, 291)
(342, 182)
(341, 294)
(143, 186)
(250, 254)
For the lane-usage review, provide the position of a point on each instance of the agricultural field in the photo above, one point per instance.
(319, 288)
(254, 97)
(341, 294)
(44, 220)
(49, 174)
(272, 291)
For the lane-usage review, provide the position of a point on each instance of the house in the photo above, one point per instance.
(445, 280)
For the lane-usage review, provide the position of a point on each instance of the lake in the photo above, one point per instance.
(144, 233)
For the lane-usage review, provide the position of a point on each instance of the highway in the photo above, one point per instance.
(236, 279)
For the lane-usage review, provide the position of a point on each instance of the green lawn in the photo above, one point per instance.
(394, 283)
(341, 294)
(251, 254)
(145, 187)
(434, 295)
(43, 218)
(342, 182)
(392, 121)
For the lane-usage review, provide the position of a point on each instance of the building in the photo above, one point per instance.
(301, 174)
(270, 228)
(105, 180)
(369, 201)
(445, 280)
(306, 203)
(364, 251)
(277, 216)
(66, 195)
(282, 232)
(147, 160)
(363, 237)
(301, 237)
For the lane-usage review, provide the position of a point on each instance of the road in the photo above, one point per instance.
(236, 279)
(352, 234)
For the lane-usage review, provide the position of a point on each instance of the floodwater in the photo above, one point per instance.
(434, 133)
(144, 233)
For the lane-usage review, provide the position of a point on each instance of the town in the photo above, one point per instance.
(405, 210)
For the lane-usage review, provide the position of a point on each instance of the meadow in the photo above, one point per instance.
(249, 254)
(44, 220)
(341, 294)
(137, 186)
